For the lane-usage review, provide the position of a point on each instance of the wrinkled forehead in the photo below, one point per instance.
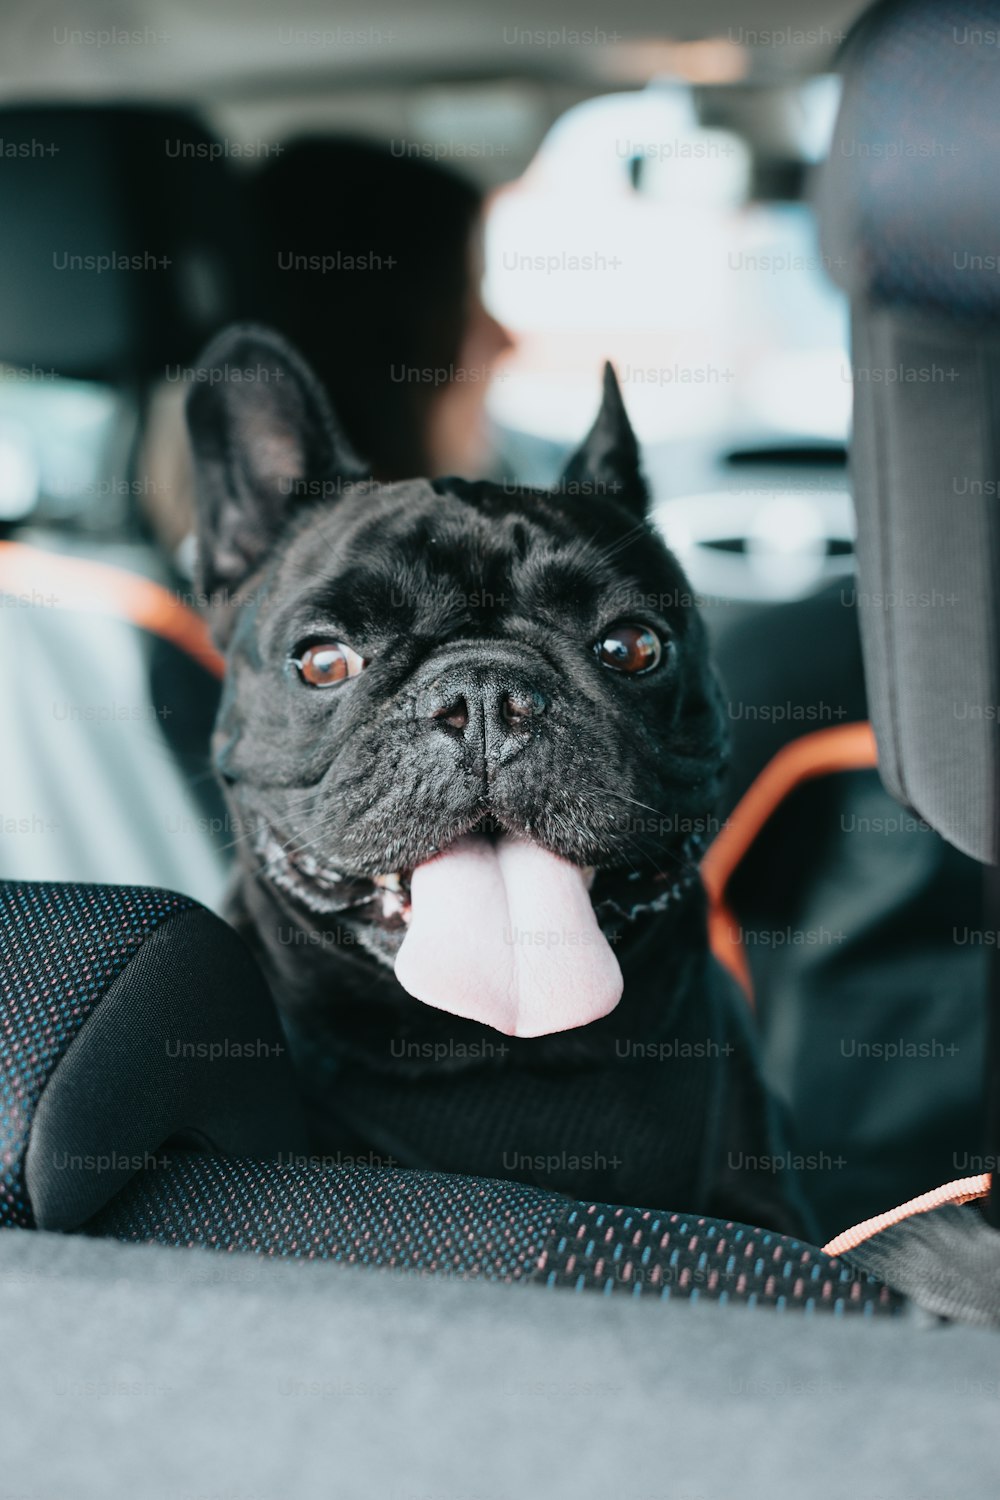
(417, 552)
(359, 523)
(412, 527)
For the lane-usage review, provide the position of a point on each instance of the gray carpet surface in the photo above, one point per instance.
(160, 1374)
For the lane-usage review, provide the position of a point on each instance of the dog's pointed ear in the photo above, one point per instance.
(265, 442)
(607, 462)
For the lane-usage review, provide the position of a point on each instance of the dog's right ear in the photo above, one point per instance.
(262, 435)
(608, 461)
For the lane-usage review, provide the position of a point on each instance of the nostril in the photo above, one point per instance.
(455, 714)
(518, 706)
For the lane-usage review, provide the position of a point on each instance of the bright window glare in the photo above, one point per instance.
(59, 433)
(718, 314)
(786, 539)
(19, 478)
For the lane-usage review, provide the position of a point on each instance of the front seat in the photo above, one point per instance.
(146, 1094)
(125, 244)
(910, 215)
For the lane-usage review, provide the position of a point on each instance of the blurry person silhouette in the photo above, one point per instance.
(374, 263)
(370, 264)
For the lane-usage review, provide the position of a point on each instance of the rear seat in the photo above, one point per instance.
(125, 245)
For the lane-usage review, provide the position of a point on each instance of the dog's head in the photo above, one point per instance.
(476, 722)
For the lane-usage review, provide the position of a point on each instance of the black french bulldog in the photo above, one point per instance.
(469, 735)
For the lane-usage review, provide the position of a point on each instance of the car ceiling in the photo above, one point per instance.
(207, 50)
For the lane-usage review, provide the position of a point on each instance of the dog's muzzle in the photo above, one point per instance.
(491, 706)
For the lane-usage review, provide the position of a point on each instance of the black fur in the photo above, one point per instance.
(438, 585)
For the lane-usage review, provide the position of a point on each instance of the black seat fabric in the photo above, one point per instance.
(128, 1018)
(133, 1021)
(440, 1224)
(61, 948)
(860, 926)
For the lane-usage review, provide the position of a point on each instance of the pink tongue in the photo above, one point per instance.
(504, 933)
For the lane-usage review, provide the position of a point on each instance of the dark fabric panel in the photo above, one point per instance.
(925, 477)
(185, 1044)
(61, 948)
(869, 478)
(787, 670)
(863, 933)
(313, 1209)
(870, 993)
(645, 1253)
(433, 1223)
(127, 1017)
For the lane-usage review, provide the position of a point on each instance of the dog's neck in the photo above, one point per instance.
(331, 988)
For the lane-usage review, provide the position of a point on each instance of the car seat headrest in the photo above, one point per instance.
(910, 192)
(123, 240)
(909, 209)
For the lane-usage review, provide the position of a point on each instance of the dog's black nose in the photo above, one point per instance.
(492, 715)
(514, 708)
(454, 714)
(522, 705)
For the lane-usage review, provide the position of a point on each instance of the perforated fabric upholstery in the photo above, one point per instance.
(471, 1227)
(61, 948)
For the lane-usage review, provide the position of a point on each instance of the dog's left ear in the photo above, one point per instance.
(607, 463)
(265, 443)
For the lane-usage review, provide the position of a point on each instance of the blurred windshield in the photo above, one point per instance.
(642, 235)
(668, 229)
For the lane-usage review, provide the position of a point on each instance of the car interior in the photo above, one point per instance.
(780, 224)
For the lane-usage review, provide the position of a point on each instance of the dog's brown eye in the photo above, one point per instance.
(328, 663)
(629, 648)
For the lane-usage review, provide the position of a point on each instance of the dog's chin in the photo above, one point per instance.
(375, 909)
